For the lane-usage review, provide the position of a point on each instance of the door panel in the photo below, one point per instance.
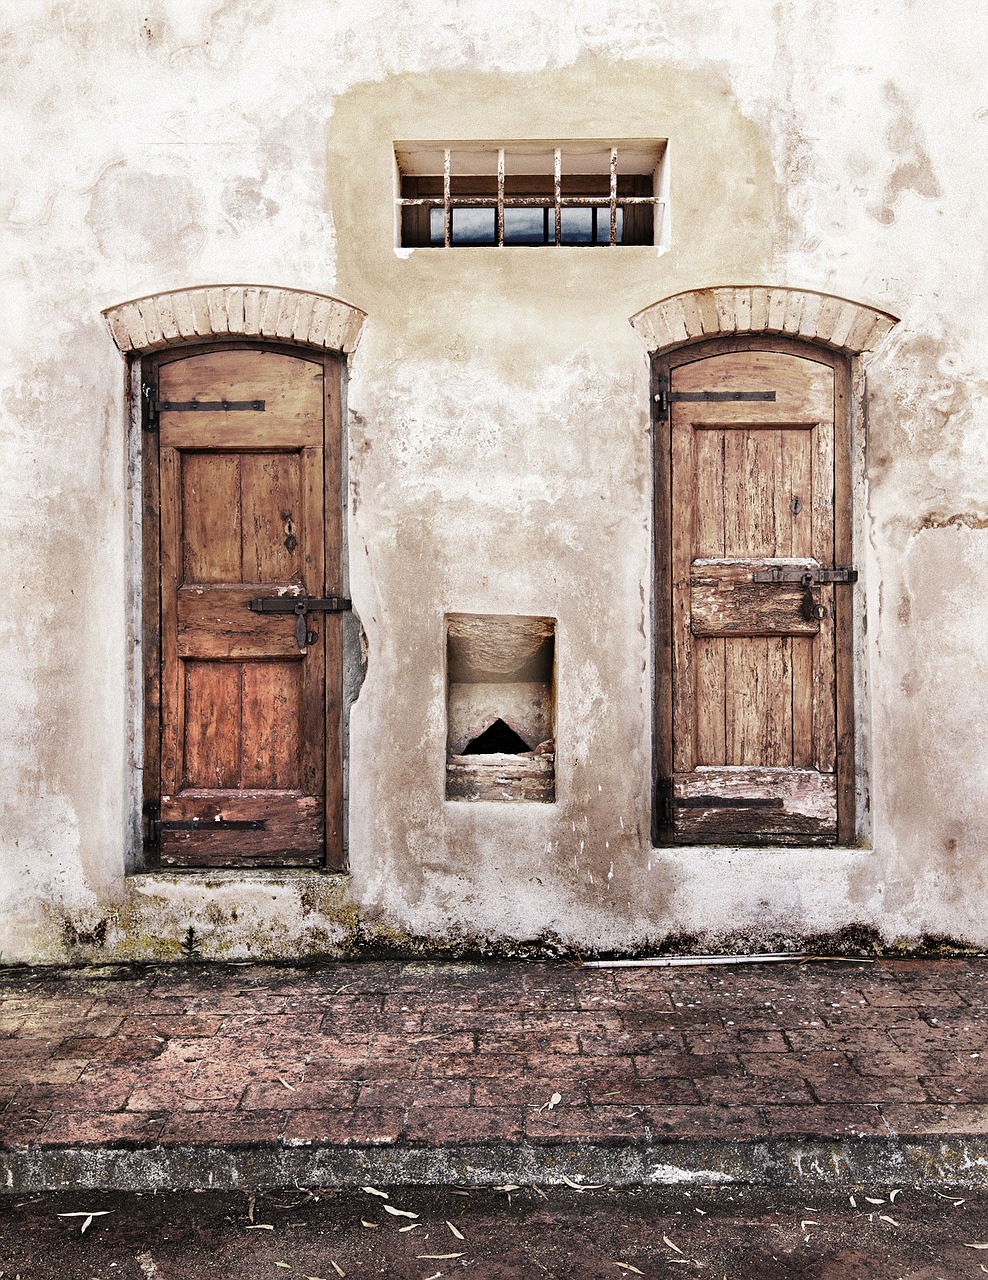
(249, 772)
(749, 704)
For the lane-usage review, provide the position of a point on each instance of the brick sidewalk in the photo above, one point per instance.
(419, 1072)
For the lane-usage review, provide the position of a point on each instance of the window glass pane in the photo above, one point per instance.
(527, 226)
(436, 235)
(577, 226)
(474, 226)
(604, 225)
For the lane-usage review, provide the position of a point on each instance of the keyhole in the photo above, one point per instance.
(795, 506)
(291, 542)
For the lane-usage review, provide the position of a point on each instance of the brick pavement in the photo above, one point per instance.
(462, 1071)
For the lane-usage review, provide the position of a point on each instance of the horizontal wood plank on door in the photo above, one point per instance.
(216, 623)
(725, 600)
(792, 806)
(292, 835)
(291, 389)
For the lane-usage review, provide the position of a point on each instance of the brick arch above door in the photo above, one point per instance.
(211, 312)
(695, 314)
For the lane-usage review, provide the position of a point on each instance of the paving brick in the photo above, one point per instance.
(221, 1128)
(21, 1129)
(704, 1121)
(88, 1093)
(585, 1124)
(694, 1066)
(186, 1025)
(303, 1095)
(938, 1118)
(561, 1042)
(443, 1126)
(414, 1093)
(110, 1129)
(841, 1121)
(348, 1126)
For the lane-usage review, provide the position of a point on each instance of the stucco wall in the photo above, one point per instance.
(498, 438)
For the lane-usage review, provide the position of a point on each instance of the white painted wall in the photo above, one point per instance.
(498, 439)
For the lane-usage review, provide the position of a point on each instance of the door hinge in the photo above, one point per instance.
(664, 397)
(664, 802)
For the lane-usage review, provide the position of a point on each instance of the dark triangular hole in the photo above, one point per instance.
(497, 737)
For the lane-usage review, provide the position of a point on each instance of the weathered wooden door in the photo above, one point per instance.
(752, 486)
(243, 515)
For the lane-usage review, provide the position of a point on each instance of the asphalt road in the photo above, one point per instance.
(511, 1234)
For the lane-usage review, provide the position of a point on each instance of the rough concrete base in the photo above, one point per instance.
(961, 1162)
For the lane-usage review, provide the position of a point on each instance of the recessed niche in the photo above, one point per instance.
(500, 742)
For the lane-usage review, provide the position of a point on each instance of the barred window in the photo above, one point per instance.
(498, 194)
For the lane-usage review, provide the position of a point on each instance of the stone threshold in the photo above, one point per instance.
(923, 1161)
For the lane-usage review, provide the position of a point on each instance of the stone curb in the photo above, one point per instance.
(957, 1161)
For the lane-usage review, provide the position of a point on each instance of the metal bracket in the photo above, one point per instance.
(806, 575)
(207, 406)
(156, 825)
(301, 606)
(664, 397)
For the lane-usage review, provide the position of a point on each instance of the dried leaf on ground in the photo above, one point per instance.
(260, 1226)
(883, 1217)
(976, 1246)
(554, 1101)
(581, 1186)
(437, 1257)
(398, 1213)
(626, 1266)
(373, 1191)
(666, 1240)
(372, 1225)
(455, 1230)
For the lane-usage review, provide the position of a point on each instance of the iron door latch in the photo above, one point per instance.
(301, 606)
(806, 575)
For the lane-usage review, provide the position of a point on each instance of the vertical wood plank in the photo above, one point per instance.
(825, 709)
(662, 829)
(777, 721)
(213, 738)
(151, 612)
(172, 701)
(843, 607)
(271, 516)
(709, 496)
(803, 667)
(684, 678)
(273, 731)
(334, 577)
(211, 517)
(709, 659)
(746, 663)
(313, 711)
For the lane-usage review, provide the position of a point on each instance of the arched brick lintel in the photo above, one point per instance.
(801, 313)
(234, 310)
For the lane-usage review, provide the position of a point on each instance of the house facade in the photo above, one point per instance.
(505, 479)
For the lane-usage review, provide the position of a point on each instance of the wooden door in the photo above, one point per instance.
(753, 484)
(244, 723)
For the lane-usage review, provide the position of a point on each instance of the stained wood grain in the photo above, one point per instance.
(244, 711)
(753, 682)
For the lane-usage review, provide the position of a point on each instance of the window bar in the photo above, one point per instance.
(613, 195)
(447, 210)
(557, 191)
(500, 197)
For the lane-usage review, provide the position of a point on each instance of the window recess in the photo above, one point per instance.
(474, 194)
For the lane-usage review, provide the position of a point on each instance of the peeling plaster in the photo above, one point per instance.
(499, 450)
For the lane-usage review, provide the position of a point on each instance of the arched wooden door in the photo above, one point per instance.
(754, 686)
(242, 538)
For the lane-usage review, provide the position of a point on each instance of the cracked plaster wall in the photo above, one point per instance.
(499, 456)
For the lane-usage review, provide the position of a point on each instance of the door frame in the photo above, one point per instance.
(146, 599)
(663, 362)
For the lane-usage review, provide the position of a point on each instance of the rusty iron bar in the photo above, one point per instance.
(500, 198)
(557, 191)
(614, 207)
(447, 203)
(525, 202)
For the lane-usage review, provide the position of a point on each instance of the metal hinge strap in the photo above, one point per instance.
(806, 575)
(300, 604)
(664, 397)
(207, 406)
